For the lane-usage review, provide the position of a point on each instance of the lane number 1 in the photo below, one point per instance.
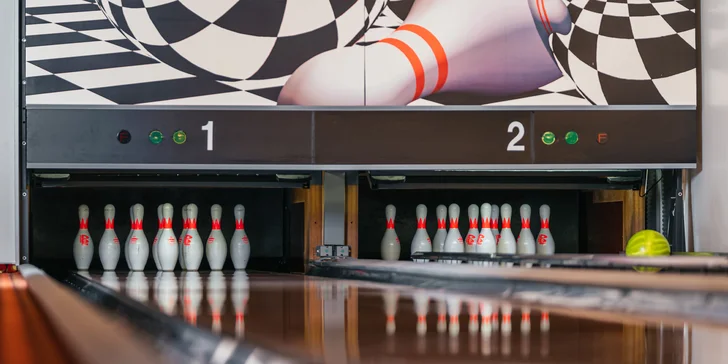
(208, 128)
(513, 145)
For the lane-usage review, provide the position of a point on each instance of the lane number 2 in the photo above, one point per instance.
(208, 128)
(513, 145)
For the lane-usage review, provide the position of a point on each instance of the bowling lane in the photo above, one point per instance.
(342, 321)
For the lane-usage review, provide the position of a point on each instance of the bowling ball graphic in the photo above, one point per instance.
(630, 51)
(647, 243)
(231, 40)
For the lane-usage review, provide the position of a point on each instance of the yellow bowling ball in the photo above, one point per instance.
(647, 243)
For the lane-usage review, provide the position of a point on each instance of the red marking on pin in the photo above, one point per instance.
(526, 223)
(544, 223)
(390, 224)
(166, 223)
(441, 224)
(239, 225)
(481, 237)
(192, 224)
(454, 223)
(83, 224)
(542, 239)
(109, 224)
(215, 224)
(172, 240)
(506, 223)
(84, 239)
(470, 239)
(133, 240)
(421, 224)
(473, 223)
(188, 240)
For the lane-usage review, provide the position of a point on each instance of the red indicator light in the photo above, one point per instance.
(602, 138)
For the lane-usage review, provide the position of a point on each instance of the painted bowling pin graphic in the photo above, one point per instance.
(443, 46)
(471, 238)
(438, 243)
(494, 223)
(193, 248)
(137, 246)
(239, 244)
(216, 247)
(390, 242)
(109, 248)
(156, 237)
(486, 240)
(180, 242)
(526, 244)
(83, 246)
(421, 241)
(546, 245)
(454, 241)
(167, 246)
(507, 243)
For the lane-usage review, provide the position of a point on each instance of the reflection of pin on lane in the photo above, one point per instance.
(455, 45)
(390, 309)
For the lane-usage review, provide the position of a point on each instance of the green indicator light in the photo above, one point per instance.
(548, 138)
(571, 137)
(179, 137)
(156, 137)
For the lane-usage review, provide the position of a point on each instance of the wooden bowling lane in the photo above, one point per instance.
(25, 333)
(339, 321)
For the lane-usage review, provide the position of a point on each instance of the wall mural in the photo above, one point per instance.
(361, 52)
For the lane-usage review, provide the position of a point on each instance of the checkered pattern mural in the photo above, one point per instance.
(88, 53)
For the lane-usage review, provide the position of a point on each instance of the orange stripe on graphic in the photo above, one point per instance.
(414, 62)
(544, 16)
(437, 49)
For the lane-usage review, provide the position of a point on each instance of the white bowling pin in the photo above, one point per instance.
(438, 243)
(390, 242)
(155, 256)
(546, 245)
(486, 240)
(473, 314)
(126, 242)
(454, 241)
(471, 238)
(193, 248)
(441, 316)
(525, 320)
(494, 223)
(429, 54)
(83, 246)
(216, 294)
(526, 244)
(216, 248)
(422, 307)
(167, 246)
(240, 294)
(507, 311)
(239, 244)
(507, 243)
(109, 248)
(180, 242)
(421, 241)
(137, 246)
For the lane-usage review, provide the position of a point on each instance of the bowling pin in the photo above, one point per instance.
(137, 246)
(453, 310)
(438, 243)
(486, 240)
(83, 246)
(471, 237)
(421, 241)
(429, 54)
(156, 237)
(494, 223)
(167, 246)
(193, 249)
(486, 313)
(192, 296)
(473, 313)
(525, 331)
(546, 245)
(216, 248)
(526, 244)
(453, 240)
(109, 249)
(507, 243)
(239, 244)
(180, 242)
(390, 242)
(441, 316)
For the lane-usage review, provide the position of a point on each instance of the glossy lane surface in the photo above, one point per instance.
(340, 321)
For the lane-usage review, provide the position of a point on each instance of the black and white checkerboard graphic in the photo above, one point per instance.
(631, 51)
(75, 55)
